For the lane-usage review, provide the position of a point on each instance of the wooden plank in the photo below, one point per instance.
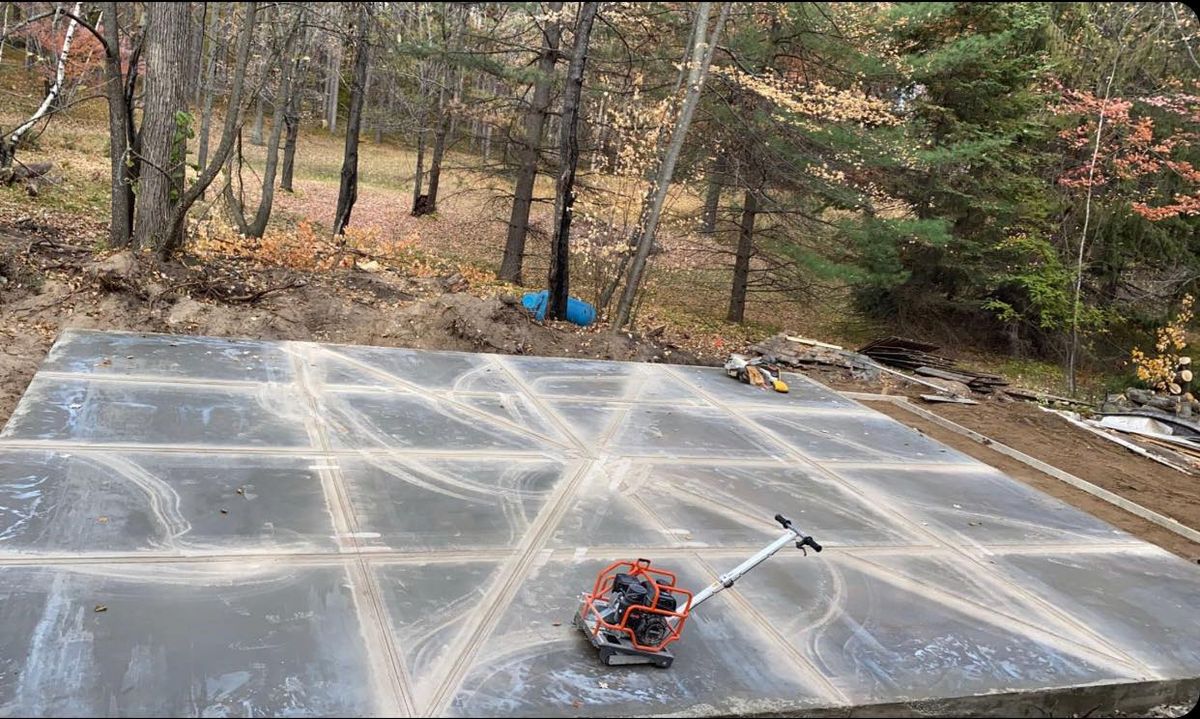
(947, 398)
(1124, 443)
(1161, 520)
(943, 374)
(908, 377)
(1021, 393)
(814, 343)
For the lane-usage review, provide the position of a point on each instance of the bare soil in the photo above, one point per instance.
(47, 285)
(1048, 437)
(1095, 506)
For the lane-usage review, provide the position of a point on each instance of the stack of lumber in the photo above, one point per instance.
(918, 358)
(799, 351)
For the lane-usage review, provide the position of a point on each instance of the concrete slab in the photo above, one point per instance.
(166, 639)
(407, 533)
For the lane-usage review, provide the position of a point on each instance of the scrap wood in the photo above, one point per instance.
(1188, 454)
(783, 348)
(908, 377)
(1147, 426)
(1074, 419)
(953, 399)
(814, 343)
(917, 357)
(1033, 396)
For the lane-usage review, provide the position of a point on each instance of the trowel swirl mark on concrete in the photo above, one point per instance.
(164, 500)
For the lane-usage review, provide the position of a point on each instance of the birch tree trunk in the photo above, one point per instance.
(699, 60)
(1073, 348)
(348, 190)
(535, 122)
(10, 143)
(564, 196)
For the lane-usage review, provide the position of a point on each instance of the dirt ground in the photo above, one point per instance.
(47, 285)
(1026, 427)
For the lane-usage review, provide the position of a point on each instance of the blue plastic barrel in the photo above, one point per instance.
(580, 312)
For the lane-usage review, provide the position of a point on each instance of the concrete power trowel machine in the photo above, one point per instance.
(634, 612)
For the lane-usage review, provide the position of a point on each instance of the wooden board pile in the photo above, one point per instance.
(799, 351)
(918, 358)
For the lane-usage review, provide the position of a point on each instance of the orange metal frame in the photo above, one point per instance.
(660, 578)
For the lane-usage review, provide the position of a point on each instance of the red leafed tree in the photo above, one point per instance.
(87, 54)
(1143, 150)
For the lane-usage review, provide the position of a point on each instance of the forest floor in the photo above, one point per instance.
(428, 282)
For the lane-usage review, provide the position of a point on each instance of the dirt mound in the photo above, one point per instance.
(49, 286)
(500, 324)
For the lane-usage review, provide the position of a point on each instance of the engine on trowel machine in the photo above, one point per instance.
(649, 629)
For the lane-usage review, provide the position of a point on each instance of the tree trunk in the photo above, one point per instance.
(207, 89)
(292, 121)
(419, 174)
(291, 115)
(435, 162)
(12, 141)
(535, 122)
(332, 86)
(121, 223)
(741, 265)
(598, 138)
(171, 240)
(701, 57)
(4, 31)
(196, 54)
(164, 146)
(256, 134)
(712, 198)
(445, 118)
(262, 215)
(564, 196)
(348, 190)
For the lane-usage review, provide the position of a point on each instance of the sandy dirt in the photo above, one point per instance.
(1095, 506)
(1025, 427)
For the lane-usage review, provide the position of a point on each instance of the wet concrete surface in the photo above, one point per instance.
(199, 526)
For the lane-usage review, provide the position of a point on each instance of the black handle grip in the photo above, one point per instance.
(807, 541)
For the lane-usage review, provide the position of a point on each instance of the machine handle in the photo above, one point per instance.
(804, 541)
